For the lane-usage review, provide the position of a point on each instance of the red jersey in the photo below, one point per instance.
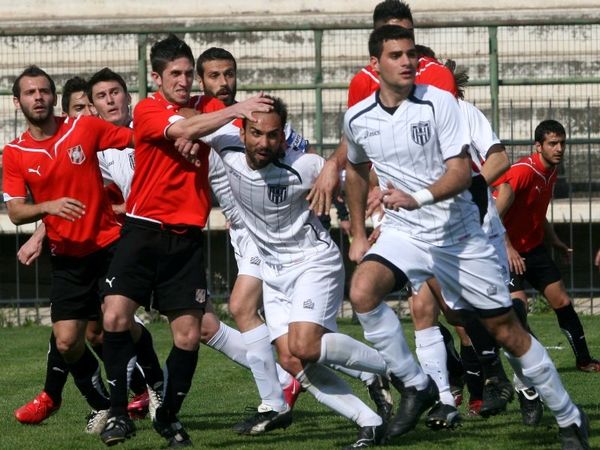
(532, 185)
(165, 186)
(429, 71)
(66, 165)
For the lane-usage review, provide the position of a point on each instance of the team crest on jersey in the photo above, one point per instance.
(277, 193)
(76, 154)
(420, 132)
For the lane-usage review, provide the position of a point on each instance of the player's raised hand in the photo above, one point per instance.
(247, 108)
(396, 199)
(358, 248)
(320, 196)
(65, 207)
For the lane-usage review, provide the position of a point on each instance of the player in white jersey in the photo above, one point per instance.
(302, 270)
(417, 141)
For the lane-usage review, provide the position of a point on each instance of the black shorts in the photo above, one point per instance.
(77, 285)
(540, 271)
(159, 266)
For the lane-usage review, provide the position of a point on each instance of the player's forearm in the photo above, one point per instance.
(23, 213)
(201, 125)
(496, 164)
(550, 235)
(456, 179)
(357, 184)
(40, 233)
(340, 156)
(504, 199)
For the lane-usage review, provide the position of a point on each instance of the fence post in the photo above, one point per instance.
(494, 78)
(318, 90)
(142, 66)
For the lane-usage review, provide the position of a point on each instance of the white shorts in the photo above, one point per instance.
(247, 257)
(309, 291)
(500, 246)
(469, 272)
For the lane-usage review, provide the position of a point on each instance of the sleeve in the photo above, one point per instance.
(518, 177)
(151, 121)
(108, 135)
(452, 128)
(436, 74)
(356, 153)
(225, 138)
(104, 169)
(13, 182)
(482, 135)
(359, 89)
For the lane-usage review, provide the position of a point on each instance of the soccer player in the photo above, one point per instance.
(302, 271)
(430, 229)
(160, 251)
(217, 72)
(55, 160)
(528, 186)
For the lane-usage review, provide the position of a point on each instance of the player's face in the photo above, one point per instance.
(79, 105)
(111, 102)
(397, 65)
(36, 100)
(219, 80)
(175, 82)
(552, 149)
(263, 139)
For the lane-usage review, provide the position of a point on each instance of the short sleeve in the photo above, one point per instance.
(13, 183)
(356, 153)
(451, 126)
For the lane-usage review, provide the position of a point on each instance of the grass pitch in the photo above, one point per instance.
(222, 390)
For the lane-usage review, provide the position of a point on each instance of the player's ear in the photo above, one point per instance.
(538, 147)
(17, 103)
(375, 64)
(156, 78)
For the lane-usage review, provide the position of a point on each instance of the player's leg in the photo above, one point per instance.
(431, 353)
(372, 280)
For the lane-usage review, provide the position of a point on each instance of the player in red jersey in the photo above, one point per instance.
(161, 247)
(528, 186)
(55, 161)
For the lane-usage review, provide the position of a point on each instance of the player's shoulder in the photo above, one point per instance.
(361, 108)
(301, 160)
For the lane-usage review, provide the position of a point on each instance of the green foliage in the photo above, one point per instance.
(222, 390)
(539, 305)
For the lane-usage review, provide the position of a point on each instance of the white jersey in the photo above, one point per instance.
(482, 139)
(272, 200)
(408, 149)
(117, 167)
(219, 183)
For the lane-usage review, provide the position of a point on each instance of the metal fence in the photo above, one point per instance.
(520, 74)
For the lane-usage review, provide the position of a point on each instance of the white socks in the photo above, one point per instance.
(345, 351)
(229, 342)
(539, 371)
(382, 328)
(335, 393)
(262, 364)
(432, 355)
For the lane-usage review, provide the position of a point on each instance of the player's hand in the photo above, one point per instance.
(516, 263)
(188, 149)
(597, 260)
(374, 235)
(374, 204)
(321, 195)
(118, 209)
(247, 108)
(358, 248)
(30, 250)
(65, 207)
(396, 199)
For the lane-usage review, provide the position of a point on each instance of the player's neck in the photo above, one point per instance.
(393, 96)
(43, 131)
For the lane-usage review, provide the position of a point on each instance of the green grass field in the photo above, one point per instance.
(222, 390)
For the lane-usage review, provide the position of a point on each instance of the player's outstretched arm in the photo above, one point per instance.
(321, 195)
(32, 249)
(193, 128)
(496, 164)
(552, 238)
(357, 185)
(67, 208)
(504, 198)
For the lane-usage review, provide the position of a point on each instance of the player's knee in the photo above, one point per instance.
(423, 315)
(560, 301)
(210, 327)
(68, 343)
(304, 351)
(187, 339)
(114, 321)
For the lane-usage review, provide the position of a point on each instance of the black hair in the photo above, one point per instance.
(546, 127)
(279, 108)
(213, 54)
(75, 84)
(32, 71)
(391, 9)
(105, 74)
(386, 33)
(167, 50)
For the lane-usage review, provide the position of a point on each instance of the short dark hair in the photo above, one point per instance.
(75, 84)
(32, 72)
(546, 127)
(279, 108)
(391, 9)
(105, 74)
(213, 54)
(167, 50)
(386, 33)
